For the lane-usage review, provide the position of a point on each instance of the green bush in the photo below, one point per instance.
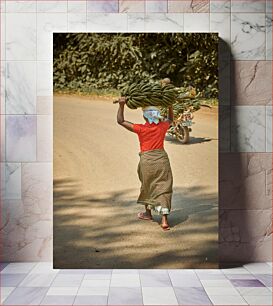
(90, 61)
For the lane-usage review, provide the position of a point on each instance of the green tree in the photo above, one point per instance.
(87, 61)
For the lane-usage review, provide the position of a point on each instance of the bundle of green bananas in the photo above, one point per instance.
(180, 106)
(144, 94)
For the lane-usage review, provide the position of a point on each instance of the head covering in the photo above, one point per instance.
(152, 113)
(165, 81)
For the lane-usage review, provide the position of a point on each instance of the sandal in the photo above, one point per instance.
(142, 216)
(165, 227)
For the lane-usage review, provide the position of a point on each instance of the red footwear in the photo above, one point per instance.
(165, 227)
(142, 216)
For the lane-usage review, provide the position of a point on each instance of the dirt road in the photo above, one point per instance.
(96, 187)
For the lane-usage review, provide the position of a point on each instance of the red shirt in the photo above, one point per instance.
(151, 136)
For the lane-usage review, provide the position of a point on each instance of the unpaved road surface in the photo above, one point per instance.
(96, 187)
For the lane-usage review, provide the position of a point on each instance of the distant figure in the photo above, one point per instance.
(154, 168)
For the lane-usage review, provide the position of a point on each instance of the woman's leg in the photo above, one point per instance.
(148, 211)
(147, 215)
(164, 222)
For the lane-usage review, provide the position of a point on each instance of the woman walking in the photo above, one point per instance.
(154, 168)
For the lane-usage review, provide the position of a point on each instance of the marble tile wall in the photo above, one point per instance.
(245, 68)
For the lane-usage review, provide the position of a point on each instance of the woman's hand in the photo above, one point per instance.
(122, 100)
(170, 113)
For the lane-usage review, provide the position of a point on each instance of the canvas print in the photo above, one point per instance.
(135, 150)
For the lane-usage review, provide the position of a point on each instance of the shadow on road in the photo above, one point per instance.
(98, 230)
(193, 140)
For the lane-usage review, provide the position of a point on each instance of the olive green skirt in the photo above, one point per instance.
(155, 174)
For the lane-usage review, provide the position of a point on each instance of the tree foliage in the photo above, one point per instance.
(86, 61)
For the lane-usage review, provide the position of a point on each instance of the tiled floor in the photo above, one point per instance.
(39, 284)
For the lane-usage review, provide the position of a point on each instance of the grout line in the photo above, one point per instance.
(66, 28)
(141, 288)
(202, 283)
(4, 157)
(27, 162)
(254, 273)
(5, 84)
(127, 20)
(26, 114)
(229, 282)
(229, 78)
(86, 15)
(36, 89)
(107, 300)
(36, 136)
(144, 17)
(266, 42)
(266, 132)
(78, 288)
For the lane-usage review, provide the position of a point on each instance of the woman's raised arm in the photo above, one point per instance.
(170, 113)
(120, 116)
